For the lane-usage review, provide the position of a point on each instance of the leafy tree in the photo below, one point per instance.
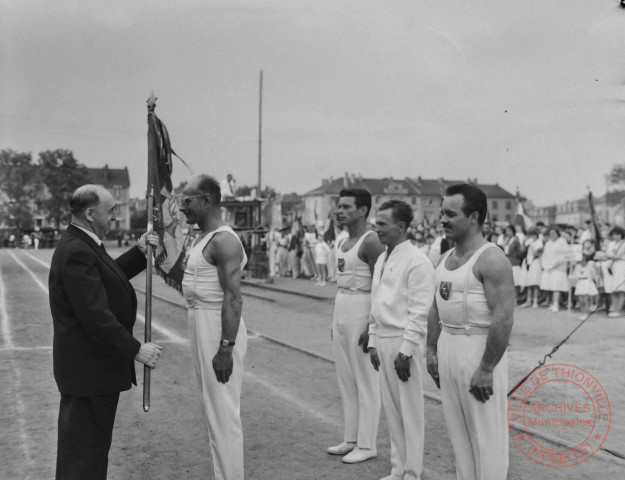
(61, 174)
(18, 182)
(617, 175)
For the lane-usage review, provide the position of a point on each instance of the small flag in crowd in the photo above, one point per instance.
(596, 236)
(521, 219)
(170, 256)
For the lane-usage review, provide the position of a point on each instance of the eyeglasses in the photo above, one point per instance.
(185, 201)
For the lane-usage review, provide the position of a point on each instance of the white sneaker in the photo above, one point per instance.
(358, 455)
(341, 449)
(392, 477)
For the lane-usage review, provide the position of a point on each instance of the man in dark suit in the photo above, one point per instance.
(93, 307)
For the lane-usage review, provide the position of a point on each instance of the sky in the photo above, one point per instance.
(529, 95)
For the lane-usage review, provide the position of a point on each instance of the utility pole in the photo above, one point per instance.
(260, 135)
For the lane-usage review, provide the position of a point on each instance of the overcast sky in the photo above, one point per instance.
(526, 94)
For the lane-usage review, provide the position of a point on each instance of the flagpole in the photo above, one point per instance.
(260, 135)
(152, 153)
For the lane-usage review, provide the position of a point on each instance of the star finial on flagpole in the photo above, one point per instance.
(151, 102)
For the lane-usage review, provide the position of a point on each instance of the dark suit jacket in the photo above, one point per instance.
(93, 307)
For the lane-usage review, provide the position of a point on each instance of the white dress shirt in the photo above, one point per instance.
(96, 239)
(401, 295)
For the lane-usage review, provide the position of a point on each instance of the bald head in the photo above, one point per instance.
(93, 208)
(86, 197)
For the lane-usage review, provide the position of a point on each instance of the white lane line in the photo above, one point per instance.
(15, 387)
(25, 349)
(298, 403)
(172, 336)
(37, 281)
(7, 339)
(45, 264)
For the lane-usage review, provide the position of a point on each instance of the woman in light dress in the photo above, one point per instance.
(613, 269)
(554, 279)
(531, 268)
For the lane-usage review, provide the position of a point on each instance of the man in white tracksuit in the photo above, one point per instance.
(217, 333)
(403, 286)
(358, 382)
(469, 327)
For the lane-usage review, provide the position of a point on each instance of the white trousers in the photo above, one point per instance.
(358, 381)
(478, 431)
(221, 401)
(403, 406)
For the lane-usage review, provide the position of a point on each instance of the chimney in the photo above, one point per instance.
(346, 180)
(325, 182)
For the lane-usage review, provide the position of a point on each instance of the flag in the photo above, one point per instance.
(596, 236)
(521, 219)
(171, 254)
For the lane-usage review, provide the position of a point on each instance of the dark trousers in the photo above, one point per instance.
(85, 434)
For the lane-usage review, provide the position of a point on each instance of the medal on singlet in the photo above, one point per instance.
(445, 290)
(341, 265)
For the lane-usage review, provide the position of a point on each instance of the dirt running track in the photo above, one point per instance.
(290, 404)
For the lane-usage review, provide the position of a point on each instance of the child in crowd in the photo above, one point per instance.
(586, 274)
(322, 253)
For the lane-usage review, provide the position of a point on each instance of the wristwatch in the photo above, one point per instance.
(404, 357)
(226, 343)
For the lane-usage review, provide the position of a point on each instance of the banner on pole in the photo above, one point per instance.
(171, 253)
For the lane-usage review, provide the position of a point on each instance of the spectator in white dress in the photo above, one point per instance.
(531, 268)
(554, 279)
(613, 268)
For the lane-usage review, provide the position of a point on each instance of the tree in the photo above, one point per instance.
(617, 175)
(61, 174)
(18, 182)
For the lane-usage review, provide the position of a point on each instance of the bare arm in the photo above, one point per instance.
(495, 272)
(434, 331)
(369, 252)
(225, 252)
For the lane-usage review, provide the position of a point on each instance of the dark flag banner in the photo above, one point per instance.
(593, 221)
(170, 255)
(521, 219)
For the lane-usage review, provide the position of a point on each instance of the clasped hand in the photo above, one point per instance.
(148, 354)
(150, 237)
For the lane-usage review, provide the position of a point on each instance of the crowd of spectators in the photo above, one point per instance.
(556, 267)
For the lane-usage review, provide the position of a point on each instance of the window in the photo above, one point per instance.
(494, 205)
(508, 218)
(117, 191)
(495, 218)
(414, 200)
(508, 205)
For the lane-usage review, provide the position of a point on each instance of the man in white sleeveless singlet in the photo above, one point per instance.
(469, 327)
(358, 382)
(217, 334)
(402, 289)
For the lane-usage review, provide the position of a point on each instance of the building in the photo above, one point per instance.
(117, 182)
(576, 212)
(423, 195)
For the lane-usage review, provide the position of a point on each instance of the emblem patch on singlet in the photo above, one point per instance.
(445, 290)
(341, 265)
